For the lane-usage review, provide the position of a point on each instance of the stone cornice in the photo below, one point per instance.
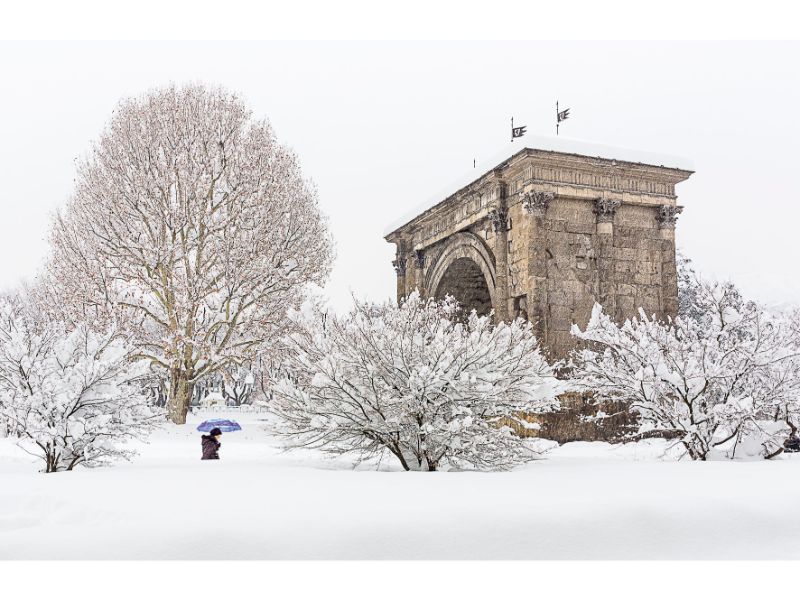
(592, 163)
(532, 166)
(540, 172)
(639, 181)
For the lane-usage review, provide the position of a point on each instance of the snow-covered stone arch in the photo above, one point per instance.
(465, 269)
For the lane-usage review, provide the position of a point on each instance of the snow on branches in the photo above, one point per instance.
(724, 377)
(193, 228)
(71, 397)
(415, 381)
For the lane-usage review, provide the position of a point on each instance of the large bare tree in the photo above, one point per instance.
(194, 227)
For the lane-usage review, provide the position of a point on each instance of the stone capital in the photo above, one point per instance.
(399, 263)
(499, 218)
(605, 209)
(419, 258)
(536, 203)
(667, 215)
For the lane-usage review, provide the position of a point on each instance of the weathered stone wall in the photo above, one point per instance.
(571, 270)
(577, 420)
(626, 264)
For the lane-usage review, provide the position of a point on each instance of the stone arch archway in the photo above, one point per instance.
(464, 281)
(464, 269)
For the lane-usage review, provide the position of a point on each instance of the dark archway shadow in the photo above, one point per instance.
(464, 281)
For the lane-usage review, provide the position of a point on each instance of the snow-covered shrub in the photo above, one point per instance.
(231, 386)
(412, 380)
(212, 399)
(722, 380)
(691, 304)
(72, 397)
(239, 384)
(792, 409)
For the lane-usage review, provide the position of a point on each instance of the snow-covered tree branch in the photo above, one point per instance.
(414, 381)
(71, 397)
(193, 228)
(726, 374)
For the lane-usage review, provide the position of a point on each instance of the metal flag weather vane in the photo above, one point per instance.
(517, 131)
(562, 115)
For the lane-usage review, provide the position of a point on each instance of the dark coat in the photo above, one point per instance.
(210, 448)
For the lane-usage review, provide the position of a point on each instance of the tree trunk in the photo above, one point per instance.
(52, 463)
(431, 464)
(409, 459)
(180, 396)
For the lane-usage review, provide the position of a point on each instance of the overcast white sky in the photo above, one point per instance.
(381, 126)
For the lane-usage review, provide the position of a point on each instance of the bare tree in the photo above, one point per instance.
(191, 226)
(413, 381)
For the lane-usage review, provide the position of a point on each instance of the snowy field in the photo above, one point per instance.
(584, 501)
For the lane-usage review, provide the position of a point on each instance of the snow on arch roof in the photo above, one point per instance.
(559, 144)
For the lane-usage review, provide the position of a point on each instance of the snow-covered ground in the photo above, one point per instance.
(585, 500)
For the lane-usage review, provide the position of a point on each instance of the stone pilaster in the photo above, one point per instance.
(667, 216)
(605, 209)
(418, 265)
(399, 264)
(535, 204)
(499, 219)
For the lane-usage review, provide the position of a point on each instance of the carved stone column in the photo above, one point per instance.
(535, 204)
(499, 219)
(399, 264)
(666, 217)
(419, 272)
(605, 209)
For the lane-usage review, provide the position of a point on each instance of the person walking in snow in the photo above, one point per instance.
(211, 444)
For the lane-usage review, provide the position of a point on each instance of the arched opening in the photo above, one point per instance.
(464, 281)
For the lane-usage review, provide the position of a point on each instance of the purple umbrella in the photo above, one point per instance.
(224, 425)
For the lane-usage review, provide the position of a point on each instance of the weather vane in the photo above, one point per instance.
(517, 131)
(561, 116)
